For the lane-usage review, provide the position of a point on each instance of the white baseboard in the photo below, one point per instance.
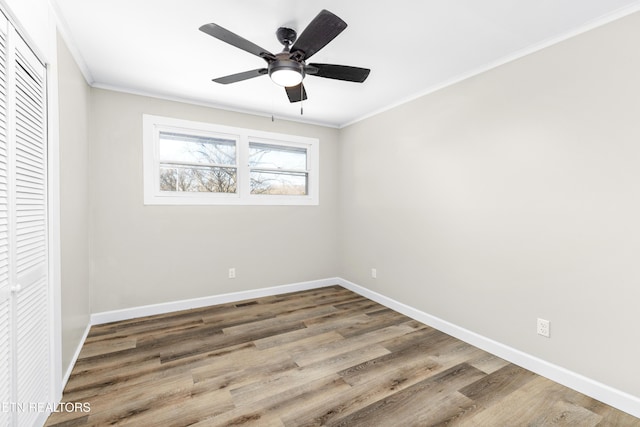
(65, 379)
(602, 392)
(168, 307)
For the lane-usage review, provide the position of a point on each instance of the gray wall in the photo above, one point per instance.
(153, 254)
(510, 196)
(73, 101)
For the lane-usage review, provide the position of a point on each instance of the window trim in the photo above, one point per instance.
(152, 126)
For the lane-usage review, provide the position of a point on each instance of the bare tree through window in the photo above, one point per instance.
(193, 163)
(278, 169)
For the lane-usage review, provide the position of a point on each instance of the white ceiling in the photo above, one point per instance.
(413, 47)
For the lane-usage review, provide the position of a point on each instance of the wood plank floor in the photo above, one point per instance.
(320, 357)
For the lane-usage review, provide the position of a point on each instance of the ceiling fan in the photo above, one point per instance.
(288, 68)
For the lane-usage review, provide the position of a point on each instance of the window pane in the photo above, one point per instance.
(277, 156)
(291, 184)
(178, 147)
(197, 179)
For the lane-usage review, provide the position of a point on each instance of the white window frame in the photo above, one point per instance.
(153, 125)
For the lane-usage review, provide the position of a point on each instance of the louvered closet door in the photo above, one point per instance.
(6, 368)
(30, 207)
(25, 331)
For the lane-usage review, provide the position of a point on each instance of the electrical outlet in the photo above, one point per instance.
(543, 328)
(232, 273)
(374, 273)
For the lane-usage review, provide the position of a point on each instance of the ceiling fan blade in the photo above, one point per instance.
(233, 78)
(324, 28)
(338, 72)
(235, 40)
(296, 93)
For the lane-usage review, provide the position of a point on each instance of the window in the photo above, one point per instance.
(278, 169)
(195, 163)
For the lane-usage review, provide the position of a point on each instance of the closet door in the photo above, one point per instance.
(25, 330)
(28, 221)
(6, 365)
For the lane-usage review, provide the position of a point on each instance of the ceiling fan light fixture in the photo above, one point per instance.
(286, 73)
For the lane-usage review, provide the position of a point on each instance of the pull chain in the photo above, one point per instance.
(272, 108)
